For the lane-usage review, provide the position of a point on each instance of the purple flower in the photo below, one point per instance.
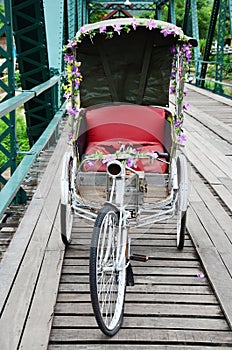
(151, 24)
(173, 50)
(75, 71)
(108, 159)
(71, 133)
(153, 155)
(117, 28)
(186, 106)
(71, 44)
(173, 74)
(72, 111)
(177, 124)
(67, 95)
(69, 58)
(83, 30)
(130, 162)
(172, 90)
(200, 275)
(89, 163)
(102, 29)
(166, 32)
(182, 138)
(76, 83)
(134, 23)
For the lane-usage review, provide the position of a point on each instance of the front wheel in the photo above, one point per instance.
(182, 202)
(107, 278)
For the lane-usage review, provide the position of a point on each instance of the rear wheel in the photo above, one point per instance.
(182, 202)
(107, 279)
(66, 212)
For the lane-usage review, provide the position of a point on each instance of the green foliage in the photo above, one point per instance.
(21, 132)
(97, 15)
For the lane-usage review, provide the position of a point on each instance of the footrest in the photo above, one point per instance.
(139, 257)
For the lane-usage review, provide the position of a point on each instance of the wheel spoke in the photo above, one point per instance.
(107, 287)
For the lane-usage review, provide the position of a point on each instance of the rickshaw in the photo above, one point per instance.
(124, 146)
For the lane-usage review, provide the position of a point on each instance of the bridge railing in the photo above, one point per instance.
(50, 135)
(223, 87)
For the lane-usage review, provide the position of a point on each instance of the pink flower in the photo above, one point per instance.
(134, 23)
(102, 29)
(182, 138)
(67, 95)
(186, 106)
(72, 111)
(117, 28)
(153, 155)
(83, 30)
(166, 32)
(151, 24)
(71, 43)
(90, 163)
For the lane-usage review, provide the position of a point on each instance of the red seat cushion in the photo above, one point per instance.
(140, 126)
(131, 122)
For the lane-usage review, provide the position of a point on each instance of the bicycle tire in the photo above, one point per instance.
(182, 200)
(107, 283)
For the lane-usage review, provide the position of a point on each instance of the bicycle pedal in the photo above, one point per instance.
(139, 257)
(129, 276)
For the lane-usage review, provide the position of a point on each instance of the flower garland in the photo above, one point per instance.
(180, 52)
(128, 155)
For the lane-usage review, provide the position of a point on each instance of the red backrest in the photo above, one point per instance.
(130, 122)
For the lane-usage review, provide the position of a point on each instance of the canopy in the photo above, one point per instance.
(127, 60)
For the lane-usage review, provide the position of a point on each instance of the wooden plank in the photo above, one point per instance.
(124, 346)
(135, 297)
(219, 276)
(161, 284)
(218, 212)
(142, 335)
(15, 252)
(36, 336)
(13, 318)
(146, 322)
(224, 194)
(209, 149)
(138, 309)
(200, 166)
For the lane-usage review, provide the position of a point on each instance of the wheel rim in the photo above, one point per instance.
(110, 279)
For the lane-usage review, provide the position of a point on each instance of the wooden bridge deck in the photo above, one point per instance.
(181, 300)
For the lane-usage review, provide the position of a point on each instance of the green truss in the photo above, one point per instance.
(31, 46)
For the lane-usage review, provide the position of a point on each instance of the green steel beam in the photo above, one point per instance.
(54, 19)
(9, 119)
(158, 12)
(209, 40)
(72, 18)
(187, 23)
(220, 45)
(171, 12)
(195, 35)
(80, 20)
(32, 55)
(12, 187)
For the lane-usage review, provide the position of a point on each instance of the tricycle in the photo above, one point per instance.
(125, 146)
